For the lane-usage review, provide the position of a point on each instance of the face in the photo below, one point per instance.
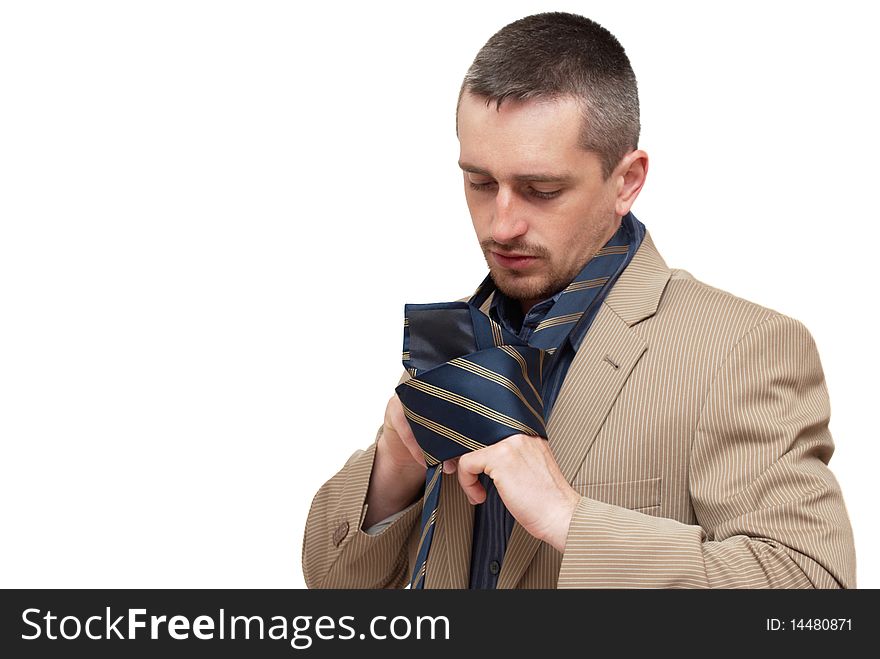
(538, 201)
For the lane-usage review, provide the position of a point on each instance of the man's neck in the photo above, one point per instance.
(526, 306)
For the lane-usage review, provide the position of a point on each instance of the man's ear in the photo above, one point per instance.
(629, 177)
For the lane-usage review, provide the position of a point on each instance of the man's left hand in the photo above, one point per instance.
(529, 482)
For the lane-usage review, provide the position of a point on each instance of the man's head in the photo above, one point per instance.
(548, 123)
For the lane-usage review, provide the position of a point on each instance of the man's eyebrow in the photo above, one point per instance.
(473, 169)
(523, 178)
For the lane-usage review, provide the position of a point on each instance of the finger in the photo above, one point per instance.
(470, 467)
(449, 466)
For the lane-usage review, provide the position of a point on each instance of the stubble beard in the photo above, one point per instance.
(542, 285)
(532, 286)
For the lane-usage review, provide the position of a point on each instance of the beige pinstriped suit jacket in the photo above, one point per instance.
(694, 424)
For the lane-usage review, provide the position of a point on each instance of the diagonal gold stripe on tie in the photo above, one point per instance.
(612, 249)
(497, 337)
(558, 320)
(440, 429)
(430, 460)
(420, 575)
(492, 376)
(431, 519)
(470, 404)
(588, 283)
(524, 368)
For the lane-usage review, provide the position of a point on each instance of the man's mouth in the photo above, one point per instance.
(513, 261)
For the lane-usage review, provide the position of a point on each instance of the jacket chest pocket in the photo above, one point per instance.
(641, 495)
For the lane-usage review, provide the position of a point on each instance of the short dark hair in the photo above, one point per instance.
(557, 54)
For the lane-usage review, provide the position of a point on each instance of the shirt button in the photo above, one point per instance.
(494, 567)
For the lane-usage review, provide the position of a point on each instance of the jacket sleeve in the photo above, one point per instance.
(336, 552)
(769, 512)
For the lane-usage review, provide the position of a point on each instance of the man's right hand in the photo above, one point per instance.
(398, 468)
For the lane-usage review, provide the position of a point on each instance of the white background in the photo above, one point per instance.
(213, 212)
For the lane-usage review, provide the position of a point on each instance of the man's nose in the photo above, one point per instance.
(508, 222)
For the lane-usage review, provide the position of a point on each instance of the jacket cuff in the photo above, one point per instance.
(613, 547)
(361, 554)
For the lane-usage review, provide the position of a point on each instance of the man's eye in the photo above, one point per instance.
(480, 186)
(544, 195)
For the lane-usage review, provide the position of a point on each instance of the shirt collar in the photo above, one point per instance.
(508, 313)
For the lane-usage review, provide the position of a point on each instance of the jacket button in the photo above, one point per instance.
(494, 567)
(340, 533)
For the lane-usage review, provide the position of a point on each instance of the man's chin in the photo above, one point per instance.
(519, 287)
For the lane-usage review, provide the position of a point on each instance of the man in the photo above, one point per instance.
(686, 438)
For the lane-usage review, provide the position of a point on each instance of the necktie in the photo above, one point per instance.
(474, 383)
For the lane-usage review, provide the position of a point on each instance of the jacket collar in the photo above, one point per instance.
(636, 294)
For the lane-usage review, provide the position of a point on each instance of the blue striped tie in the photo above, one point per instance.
(476, 388)
(474, 383)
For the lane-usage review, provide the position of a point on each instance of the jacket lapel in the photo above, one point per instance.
(602, 365)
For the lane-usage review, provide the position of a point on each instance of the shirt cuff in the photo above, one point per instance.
(381, 525)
